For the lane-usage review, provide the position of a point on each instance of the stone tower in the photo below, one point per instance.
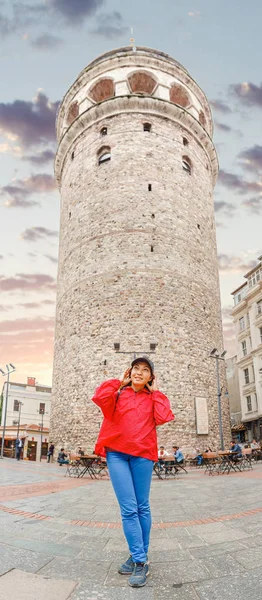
(136, 167)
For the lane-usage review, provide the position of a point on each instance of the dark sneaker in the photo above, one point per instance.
(127, 568)
(139, 575)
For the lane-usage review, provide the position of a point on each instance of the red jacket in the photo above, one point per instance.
(130, 419)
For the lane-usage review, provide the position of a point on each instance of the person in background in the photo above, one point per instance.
(236, 449)
(62, 458)
(18, 448)
(80, 451)
(50, 453)
(161, 454)
(178, 454)
(199, 457)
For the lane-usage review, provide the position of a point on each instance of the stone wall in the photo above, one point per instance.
(137, 265)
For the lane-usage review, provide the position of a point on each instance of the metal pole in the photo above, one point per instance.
(5, 412)
(19, 417)
(41, 435)
(219, 405)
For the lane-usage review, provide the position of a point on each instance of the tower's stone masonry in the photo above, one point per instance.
(138, 264)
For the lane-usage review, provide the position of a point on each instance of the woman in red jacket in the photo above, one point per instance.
(132, 409)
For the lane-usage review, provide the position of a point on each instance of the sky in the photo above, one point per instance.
(44, 46)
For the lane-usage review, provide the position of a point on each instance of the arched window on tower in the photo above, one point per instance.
(104, 155)
(73, 112)
(202, 119)
(187, 164)
(142, 82)
(147, 127)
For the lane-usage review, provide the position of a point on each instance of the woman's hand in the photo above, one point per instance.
(153, 387)
(126, 378)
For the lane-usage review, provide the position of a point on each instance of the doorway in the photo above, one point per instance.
(31, 450)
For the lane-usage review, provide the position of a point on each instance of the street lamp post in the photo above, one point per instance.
(41, 412)
(19, 417)
(9, 369)
(215, 354)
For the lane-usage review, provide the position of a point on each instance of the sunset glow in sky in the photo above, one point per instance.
(45, 44)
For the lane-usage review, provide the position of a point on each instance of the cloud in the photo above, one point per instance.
(220, 106)
(52, 259)
(234, 264)
(227, 207)
(41, 158)
(223, 127)
(27, 282)
(251, 159)
(30, 122)
(248, 94)
(30, 305)
(19, 191)
(76, 11)
(194, 13)
(237, 183)
(36, 324)
(253, 205)
(33, 234)
(4, 308)
(110, 26)
(46, 41)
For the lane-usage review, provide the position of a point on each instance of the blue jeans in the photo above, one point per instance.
(131, 479)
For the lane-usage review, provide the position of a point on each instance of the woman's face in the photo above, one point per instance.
(140, 375)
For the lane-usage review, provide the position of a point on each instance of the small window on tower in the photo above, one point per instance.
(147, 127)
(185, 142)
(186, 164)
(104, 155)
(103, 131)
(150, 187)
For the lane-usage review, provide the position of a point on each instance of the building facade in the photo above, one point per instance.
(247, 315)
(136, 168)
(27, 403)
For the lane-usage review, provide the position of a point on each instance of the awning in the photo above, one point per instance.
(238, 427)
(11, 438)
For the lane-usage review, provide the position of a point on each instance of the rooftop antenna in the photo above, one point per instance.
(132, 40)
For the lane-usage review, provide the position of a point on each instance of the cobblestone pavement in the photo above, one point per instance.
(206, 539)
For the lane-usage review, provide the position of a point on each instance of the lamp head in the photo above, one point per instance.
(214, 351)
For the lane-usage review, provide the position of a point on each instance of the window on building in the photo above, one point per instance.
(104, 155)
(147, 127)
(185, 142)
(248, 320)
(244, 347)
(260, 332)
(16, 405)
(246, 376)
(186, 164)
(103, 131)
(259, 307)
(241, 324)
(249, 403)
(42, 408)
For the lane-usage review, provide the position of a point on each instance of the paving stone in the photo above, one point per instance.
(98, 592)
(223, 536)
(215, 549)
(30, 586)
(77, 570)
(245, 587)
(221, 565)
(43, 547)
(251, 558)
(15, 558)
